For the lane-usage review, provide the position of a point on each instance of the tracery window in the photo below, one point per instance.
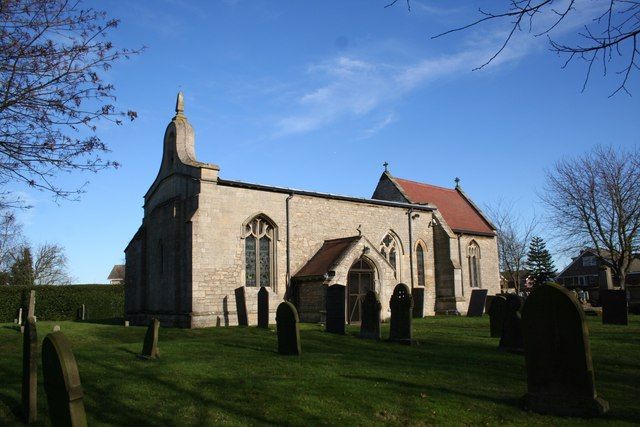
(389, 249)
(420, 264)
(473, 253)
(259, 252)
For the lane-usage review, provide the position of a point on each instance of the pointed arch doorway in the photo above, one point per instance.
(359, 282)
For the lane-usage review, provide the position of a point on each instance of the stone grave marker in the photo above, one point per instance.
(511, 335)
(401, 305)
(487, 303)
(496, 315)
(263, 308)
(370, 325)
(62, 382)
(614, 307)
(476, 303)
(150, 347)
(126, 323)
(19, 318)
(82, 313)
(30, 372)
(31, 311)
(241, 306)
(56, 328)
(560, 379)
(418, 302)
(288, 329)
(335, 309)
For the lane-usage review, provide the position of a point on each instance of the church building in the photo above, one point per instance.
(204, 238)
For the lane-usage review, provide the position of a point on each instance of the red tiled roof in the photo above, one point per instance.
(457, 211)
(325, 258)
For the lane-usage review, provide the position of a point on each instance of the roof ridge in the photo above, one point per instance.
(425, 184)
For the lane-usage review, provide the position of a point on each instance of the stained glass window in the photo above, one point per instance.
(250, 260)
(259, 252)
(420, 262)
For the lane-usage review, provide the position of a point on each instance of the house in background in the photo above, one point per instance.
(116, 277)
(583, 272)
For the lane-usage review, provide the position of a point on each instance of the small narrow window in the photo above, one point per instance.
(473, 253)
(420, 265)
(389, 249)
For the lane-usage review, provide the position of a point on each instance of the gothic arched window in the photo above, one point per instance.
(420, 264)
(473, 253)
(389, 249)
(259, 248)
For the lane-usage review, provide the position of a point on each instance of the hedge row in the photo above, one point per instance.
(63, 302)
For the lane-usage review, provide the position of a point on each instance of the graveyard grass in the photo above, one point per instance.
(234, 376)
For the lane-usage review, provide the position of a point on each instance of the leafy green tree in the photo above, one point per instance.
(22, 269)
(539, 262)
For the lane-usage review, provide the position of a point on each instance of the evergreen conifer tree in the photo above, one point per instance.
(539, 262)
(22, 269)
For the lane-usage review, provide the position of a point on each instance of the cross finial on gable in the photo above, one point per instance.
(457, 180)
(386, 166)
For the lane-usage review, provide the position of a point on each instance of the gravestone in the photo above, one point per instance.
(496, 315)
(30, 371)
(56, 328)
(335, 309)
(150, 346)
(605, 279)
(560, 379)
(62, 382)
(82, 313)
(487, 303)
(263, 308)
(126, 323)
(241, 306)
(418, 302)
(476, 303)
(288, 329)
(31, 310)
(401, 305)
(19, 318)
(614, 307)
(370, 325)
(511, 335)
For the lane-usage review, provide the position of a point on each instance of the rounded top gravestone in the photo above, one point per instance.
(560, 377)
(62, 382)
(288, 329)
(401, 310)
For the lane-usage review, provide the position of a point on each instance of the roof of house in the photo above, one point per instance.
(326, 257)
(603, 255)
(117, 272)
(457, 209)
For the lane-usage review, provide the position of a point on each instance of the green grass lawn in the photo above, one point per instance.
(454, 376)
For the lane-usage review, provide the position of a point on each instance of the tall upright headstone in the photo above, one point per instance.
(335, 309)
(150, 346)
(418, 302)
(82, 313)
(511, 335)
(605, 279)
(614, 307)
(241, 306)
(288, 329)
(31, 311)
(263, 308)
(560, 379)
(401, 305)
(62, 382)
(30, 372)
(496, 315)
(370, 325)
(19, 318)
(476, 303)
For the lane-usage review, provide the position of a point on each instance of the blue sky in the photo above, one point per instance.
(317, 95)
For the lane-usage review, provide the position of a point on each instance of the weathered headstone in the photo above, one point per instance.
(56, 328)
(335, 309)
(241, 306)
(370, 325)
(560, 379)
(19, 318)
(614, 307)
(126, 323)
(62, 382)
(496, 315)
(263, 308)
(31, 311)
(605, 279)
(418, 302)
(82, 313)
(150, 346)
(476, 303)
(288, 329)
(401, 305)
(487, 303)
(30, 371)
(511, 335)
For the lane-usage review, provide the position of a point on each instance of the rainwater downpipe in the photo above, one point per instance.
(288, 243)
(409, 215)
